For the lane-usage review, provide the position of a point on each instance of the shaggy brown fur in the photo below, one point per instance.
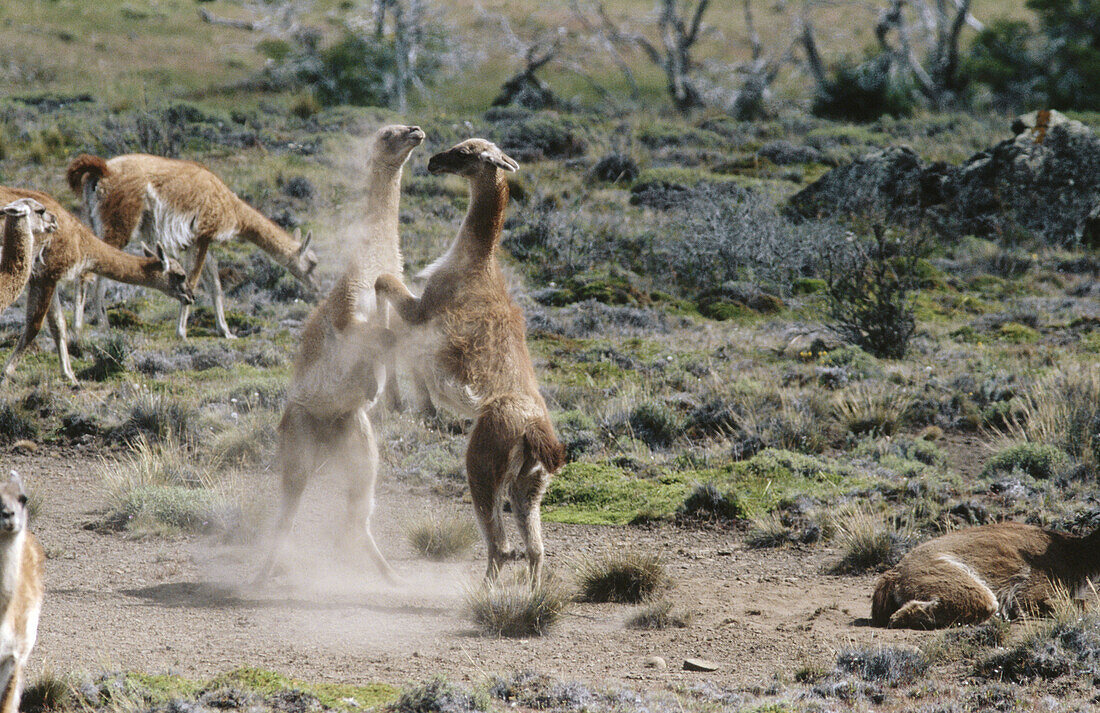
(342, 365)
(965, 577)
(25, 219)
(179, 204)
(468, 346)
(21, 591)
(70, 252)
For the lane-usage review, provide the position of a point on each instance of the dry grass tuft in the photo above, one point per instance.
(513, 607)
(629, 576)
(865, 409)
(49, 692)
(442, 539)
(661, 614)
(868, 540)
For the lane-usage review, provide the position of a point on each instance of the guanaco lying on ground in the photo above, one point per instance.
(179, 204)
(342, 366)
(21, 568)
(71, 251)
(967, 576)
(26, 223)
(468, 346)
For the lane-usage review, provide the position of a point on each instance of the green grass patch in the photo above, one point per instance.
(605, 494)
(340, 696)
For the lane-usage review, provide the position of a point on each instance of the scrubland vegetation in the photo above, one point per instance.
(716, 353)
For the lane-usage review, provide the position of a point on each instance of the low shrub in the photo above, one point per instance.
(441, 539)
(661, 614)
(887, 664)
(437, 696)
(1052, 650)
(706, 502)
(864, 92)
(868, 542)
(627, 576)
(1039, 460)
(512, 607)
(655, 424)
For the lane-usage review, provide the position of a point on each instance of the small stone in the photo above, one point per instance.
(655, 662)
(699, 665)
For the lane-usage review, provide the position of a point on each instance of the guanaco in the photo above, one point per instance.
(468, 347)
(21, 591)
(25, 219)
(71, 251)
(179, 204)
(341, 368)
(967, 576)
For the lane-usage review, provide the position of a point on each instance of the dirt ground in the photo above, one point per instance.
(183, 606)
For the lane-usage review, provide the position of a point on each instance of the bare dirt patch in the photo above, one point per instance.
(183, 605)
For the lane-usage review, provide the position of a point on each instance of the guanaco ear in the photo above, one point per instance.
(305, 243)
(162, 255)
(146, 250)
(500, 159)
(14, 479)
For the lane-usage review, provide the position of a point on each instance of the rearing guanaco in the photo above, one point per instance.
(468, 346)
(342, 366)
(967, 576)
(71, 251)
(179, 204)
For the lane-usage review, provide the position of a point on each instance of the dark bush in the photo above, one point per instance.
(1003, 57)
(871, 290)
(655, 424)
(706, 502)
(616, 168)
(436, 696)
(15, 425)
(864, 92)
(542, 136)
(110, 356)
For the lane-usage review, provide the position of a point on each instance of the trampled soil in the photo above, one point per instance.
(183, 605)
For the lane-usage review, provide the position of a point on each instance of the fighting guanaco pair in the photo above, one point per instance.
(463, 339)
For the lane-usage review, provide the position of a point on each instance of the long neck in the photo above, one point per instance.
(112, 263)
(254, 227)
(11, 563)
(15, 262)
(379, 238)
(484, 221)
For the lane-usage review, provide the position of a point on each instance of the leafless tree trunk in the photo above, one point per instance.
(678, 29)
(930, 55)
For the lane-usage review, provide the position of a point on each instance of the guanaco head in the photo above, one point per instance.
(41, 220)
(472, 158)
(13, 505)
(305, 260)
(172, 277)
(393, 144)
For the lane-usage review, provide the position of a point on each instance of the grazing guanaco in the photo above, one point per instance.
(179, 204)
(967, 576)
(24, 219)
(468, 347)
(21, 591)
(342, 366)
(71, 252)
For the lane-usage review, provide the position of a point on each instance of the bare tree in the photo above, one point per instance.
(922, 41)
(407, 27)
(679, 27)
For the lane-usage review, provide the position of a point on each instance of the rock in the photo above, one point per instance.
(1041, 118)
(655, 662)
(699, 665)
(1044, 181)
